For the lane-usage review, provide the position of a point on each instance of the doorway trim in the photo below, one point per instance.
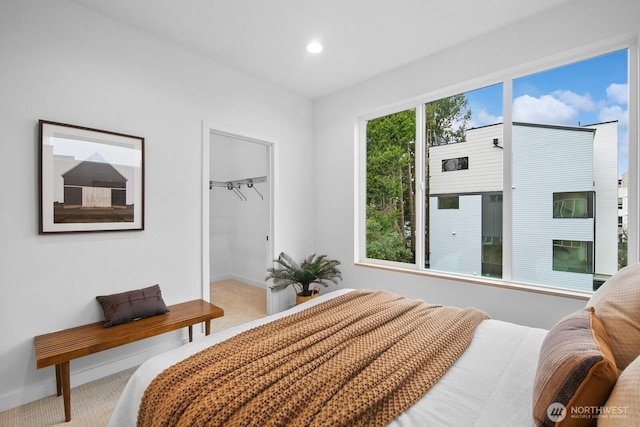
(209, 129)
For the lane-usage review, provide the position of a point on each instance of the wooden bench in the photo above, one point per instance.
(58, 348)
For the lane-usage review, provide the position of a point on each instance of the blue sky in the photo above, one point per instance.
(582, 93)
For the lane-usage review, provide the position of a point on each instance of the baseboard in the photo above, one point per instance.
(220, 277)
(239, 278)
(249, 281)
(84, 375)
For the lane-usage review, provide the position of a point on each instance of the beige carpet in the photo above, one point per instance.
(93, 403)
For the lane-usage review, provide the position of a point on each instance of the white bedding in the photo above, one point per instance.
(490, 385)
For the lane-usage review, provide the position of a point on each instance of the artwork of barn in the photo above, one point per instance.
(90, 180)
(94, 185)
(94, 191)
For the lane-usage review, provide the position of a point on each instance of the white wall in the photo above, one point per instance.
(567, 29)
(64, 63)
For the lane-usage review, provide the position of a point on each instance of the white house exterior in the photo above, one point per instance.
(605, 171)
(547, 160)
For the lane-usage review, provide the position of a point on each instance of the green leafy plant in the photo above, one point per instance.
(313, 269)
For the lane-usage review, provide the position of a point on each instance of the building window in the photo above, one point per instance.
(457, 164)
(573, 256)
(573, 205)
(567, 146)
(492, 235)
(448, 202)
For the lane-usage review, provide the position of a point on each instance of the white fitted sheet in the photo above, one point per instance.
(491, 384)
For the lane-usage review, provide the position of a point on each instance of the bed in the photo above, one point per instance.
(498, 380)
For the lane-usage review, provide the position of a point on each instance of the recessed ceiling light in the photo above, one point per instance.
(314, 47)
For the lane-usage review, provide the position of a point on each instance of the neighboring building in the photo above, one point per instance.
(623, 220)
(564, 205)
(623, 201)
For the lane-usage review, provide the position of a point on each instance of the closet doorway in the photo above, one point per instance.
(239, 203)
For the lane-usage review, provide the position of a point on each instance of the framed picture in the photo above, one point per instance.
(90, 179)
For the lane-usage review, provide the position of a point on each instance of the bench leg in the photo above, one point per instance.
(58, 381)
(65, 384)
(207, 330)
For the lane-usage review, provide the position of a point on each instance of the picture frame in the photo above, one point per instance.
(89, 179)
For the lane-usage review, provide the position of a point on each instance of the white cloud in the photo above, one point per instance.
(483, 118)
(618, 93)
(580, 102)
(614, 112)
(546, 109)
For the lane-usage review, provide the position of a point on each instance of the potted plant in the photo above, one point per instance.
(313, 269)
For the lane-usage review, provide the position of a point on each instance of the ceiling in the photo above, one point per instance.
(361, 38)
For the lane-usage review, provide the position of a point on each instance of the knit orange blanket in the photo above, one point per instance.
(359, 359)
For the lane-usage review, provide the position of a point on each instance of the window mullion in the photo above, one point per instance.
(360, 204)
(420, 158)
(507, 187)
(633, 226)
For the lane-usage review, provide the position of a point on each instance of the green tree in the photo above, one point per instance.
(383, 239)
(447, 120)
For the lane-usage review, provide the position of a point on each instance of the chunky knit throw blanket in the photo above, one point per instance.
(359, 359)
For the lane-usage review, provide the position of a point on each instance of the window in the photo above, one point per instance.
(462, 160)
(436, 178)
(492, 235)
(457, 164)
(573, 205)
(391, 187)
(573, 256)
(571, 123)
(448, 202)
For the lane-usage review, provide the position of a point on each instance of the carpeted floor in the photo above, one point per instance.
(93, 403)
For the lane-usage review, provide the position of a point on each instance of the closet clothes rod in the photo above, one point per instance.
(236, 184)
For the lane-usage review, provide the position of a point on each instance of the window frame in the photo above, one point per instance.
(447, 202)
(572, 245)
(589, 204)
(504, 77)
